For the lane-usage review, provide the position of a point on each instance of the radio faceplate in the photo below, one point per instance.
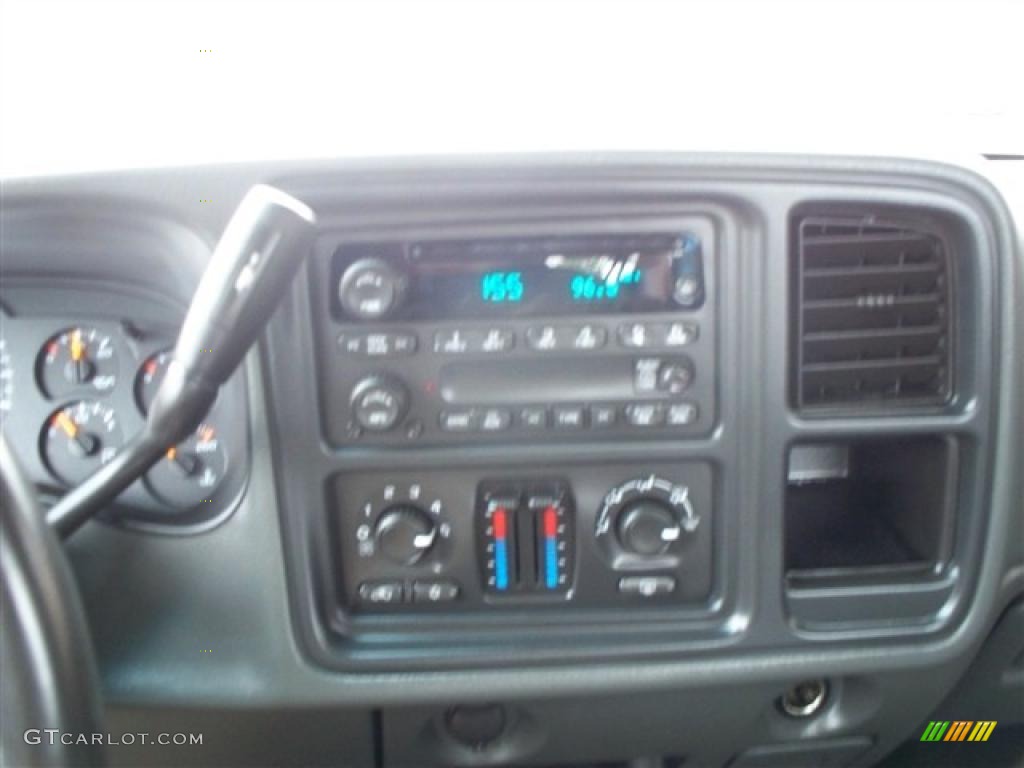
(405, 361)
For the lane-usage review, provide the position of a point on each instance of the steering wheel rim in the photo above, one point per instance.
(49, 679)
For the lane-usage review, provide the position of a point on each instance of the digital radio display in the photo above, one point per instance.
(535, 277)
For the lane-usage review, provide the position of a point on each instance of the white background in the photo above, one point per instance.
(109, 85)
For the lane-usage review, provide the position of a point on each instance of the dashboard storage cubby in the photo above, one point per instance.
(867, 508)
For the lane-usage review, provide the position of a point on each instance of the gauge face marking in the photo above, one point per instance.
(80, 438)
(78, 359)
(190, 472)
(6, 380)
(149, 378)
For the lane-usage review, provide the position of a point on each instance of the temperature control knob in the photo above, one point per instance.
(370, 288)
(379, 403)
(404, 534)
(647, 528)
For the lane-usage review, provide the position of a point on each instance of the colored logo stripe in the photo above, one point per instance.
(982, 730)
(958, 730)
(934, 731)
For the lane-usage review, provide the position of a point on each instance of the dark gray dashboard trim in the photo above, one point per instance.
(275, 671)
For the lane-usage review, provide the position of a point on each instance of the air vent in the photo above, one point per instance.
(873, 314)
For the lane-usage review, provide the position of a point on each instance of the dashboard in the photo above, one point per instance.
(709, 459)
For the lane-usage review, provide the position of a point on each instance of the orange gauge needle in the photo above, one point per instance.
(77, 345)
(185, 462)
(86, 443)
(67, 424)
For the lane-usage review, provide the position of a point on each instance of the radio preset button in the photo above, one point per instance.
(681, 414)
(495, 419)
(493, 340)
(636, 335)
(568, 417)
(680, 334)
(645, 414)
(561, 338)
(464, 341)
(589, 337)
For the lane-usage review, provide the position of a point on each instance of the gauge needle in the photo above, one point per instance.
(77, 346)
(183, 461)
(79, 362)
(84, 441)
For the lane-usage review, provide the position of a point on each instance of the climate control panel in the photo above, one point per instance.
(490, 539)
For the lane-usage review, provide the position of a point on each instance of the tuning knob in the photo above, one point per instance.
(647, 528)
(404, 534)
(379, 402)
(370, 289)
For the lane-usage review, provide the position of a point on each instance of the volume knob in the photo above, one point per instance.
(370, 289)
(405, 533)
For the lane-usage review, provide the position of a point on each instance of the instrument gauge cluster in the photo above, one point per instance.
(74, 390)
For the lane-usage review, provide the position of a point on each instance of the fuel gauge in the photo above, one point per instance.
(190, 472)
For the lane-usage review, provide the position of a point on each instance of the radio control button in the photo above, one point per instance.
(647, 586)
(381, 592)
(675, 376)
(681, 414)
(453, 342)
(680, 334)
(493, 340)
(645, 414)
(463, 420)
(534, 417)
(645, 375)
(495, 419)
(589, 337)
(434, 591)
(602, 416)
(404, 343)
(568, 417)
(370, 288)
(545, 338)
(378, 344)
(378, 403)
(636, 335)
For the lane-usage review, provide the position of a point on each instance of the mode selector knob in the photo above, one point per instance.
(370, 288)
(404, 534)
(647, 527)
(379, 403)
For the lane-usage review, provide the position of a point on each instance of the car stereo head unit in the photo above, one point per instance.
(518, 278)
(435, 341)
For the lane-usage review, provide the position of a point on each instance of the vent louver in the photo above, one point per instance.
(872, 314)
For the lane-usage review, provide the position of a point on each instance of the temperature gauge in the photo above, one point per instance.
(77, 359)
(80, 438)
(150, 376)
(191, 471)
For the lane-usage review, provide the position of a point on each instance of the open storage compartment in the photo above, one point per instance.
(869, 508)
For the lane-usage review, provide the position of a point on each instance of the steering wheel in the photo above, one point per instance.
(49, 696)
